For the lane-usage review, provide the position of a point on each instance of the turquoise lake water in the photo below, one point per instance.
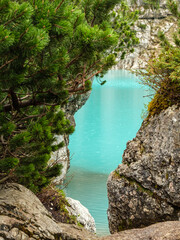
(110, 118)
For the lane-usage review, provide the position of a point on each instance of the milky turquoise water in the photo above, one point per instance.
(110, 118)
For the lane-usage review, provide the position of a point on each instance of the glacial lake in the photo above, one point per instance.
(109, 119)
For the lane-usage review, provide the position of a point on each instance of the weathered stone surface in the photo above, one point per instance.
(145, 188)
(159, 231)
(76, 102)
(82, 214)
(23, 217)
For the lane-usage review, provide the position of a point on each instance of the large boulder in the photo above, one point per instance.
(145, 188)
(23, 217)
(158, 231)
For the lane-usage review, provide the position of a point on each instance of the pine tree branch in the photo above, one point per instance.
(73, 60)
(94, 74)
(4, 179)
(59, 5)
(14, 18)
(59, 26)
(92, 23)
(2, 140)
(30, 102)
(33, 116)
(8, 62)
(4, 100)
(92, 65)
(14, 98)
(3, 39)
(23, 33)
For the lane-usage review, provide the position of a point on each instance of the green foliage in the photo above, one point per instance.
(123, 22)
(153, 4)
(142, 26)
(49, 51)
(173, 6)
(147, 4)
(162, 73)
(8, 163)
(55, 202)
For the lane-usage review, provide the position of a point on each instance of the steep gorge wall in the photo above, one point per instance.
(149, 23)
(62, 156)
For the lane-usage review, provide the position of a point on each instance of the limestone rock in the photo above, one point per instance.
(62, 155)
(158, 231)
(76, 102)
(145, 188)
(149, 23)
(82, 214)
(23, 217)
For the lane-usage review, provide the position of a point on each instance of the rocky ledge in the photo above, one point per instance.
(23, 217)
(159, 231)
(145, 188)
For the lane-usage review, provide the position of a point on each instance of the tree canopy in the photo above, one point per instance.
(50, 50)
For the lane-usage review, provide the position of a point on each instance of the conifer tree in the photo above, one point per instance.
(49, 51)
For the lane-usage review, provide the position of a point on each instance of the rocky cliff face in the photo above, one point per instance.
(147, 27)
(23, 217)
(145, 188)
(62, 155)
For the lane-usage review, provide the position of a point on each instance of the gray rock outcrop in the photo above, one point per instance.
(145, 188)
(82, 214)
(158, 231)
(23, 217)
(147, 27)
